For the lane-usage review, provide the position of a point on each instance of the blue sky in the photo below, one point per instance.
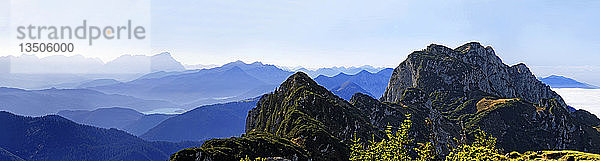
(552, 37)
(380, 33)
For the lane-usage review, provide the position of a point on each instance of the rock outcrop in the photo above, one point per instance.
(428, 125)
(471, 87)
(311, 116)
(464, 70)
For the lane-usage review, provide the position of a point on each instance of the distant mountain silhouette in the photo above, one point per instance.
(332, 71)
(161, 74)
(269, 74)
(232, 81)
(199, 66)
(205, 122)
(373, 83)
(164, 62)
(348, 89)
(127, 64)
(98, 82)
(55, 138)
(146, 123)
(556, 81)
(78, 64)
(125, 119)
(32, 72)
(47, 101)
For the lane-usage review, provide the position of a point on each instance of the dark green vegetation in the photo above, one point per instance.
(55, 138)
(246, 146)
(453, 97)
(310, 116)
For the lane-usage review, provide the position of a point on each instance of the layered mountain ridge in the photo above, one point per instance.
(53, 137)
(124, 119)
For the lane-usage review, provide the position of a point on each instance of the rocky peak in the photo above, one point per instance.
(310, 115)
(467, 69)
(474, 53)
(165, 62)
(300, 79)
(435, 48)
(521, 69)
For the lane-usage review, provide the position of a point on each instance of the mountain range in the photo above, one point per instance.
(332, 71)
(77, 64)
(31, 72)
(230, 82)
(556, 81)
(124, 119)
(449, 94)
(203, 123)
(55, 138)
(446, 93)
(372, 83)
(209, 121)
(347, 89)
(49, 101)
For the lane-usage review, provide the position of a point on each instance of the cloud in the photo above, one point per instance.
(587, 99)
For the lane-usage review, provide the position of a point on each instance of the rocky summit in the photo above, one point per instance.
(471, 87)
(464, 71)
(449, 94)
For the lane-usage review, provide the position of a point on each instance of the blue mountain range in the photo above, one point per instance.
(48, 101)
(373, 84)
(556, 81)
(55, 138)
(205, 122)
(230, 82)
(125, 119)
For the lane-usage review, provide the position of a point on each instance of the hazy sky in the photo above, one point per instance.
(314, 33)
(380, 33)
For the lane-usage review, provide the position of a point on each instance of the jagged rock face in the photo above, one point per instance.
(468, 68)
(587, 118)
(310, 116)
(439, 130)
(522, 126)
(464, 85)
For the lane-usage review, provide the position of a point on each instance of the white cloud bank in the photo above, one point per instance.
(587, 99)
